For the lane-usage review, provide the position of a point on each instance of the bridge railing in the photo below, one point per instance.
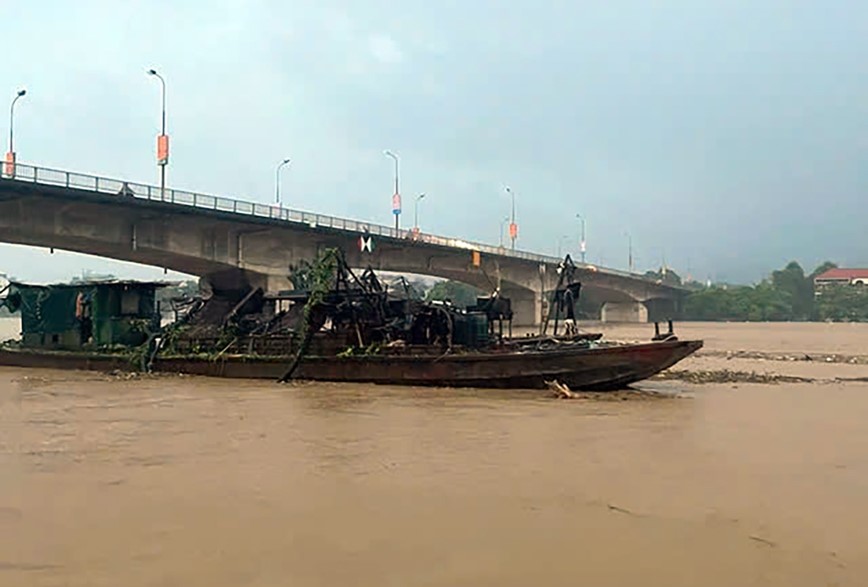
(120, 188)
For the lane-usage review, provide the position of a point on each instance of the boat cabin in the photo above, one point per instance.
(72, 316)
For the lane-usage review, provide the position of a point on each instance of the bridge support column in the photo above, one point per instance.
(527, 306)
(237, 282)
(661, 309)
(624, 312)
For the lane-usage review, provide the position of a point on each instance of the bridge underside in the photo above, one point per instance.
(232, 252)
(612, 305)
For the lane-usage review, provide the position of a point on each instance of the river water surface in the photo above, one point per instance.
(193, 481)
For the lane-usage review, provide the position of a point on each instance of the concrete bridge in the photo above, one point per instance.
(234, 244)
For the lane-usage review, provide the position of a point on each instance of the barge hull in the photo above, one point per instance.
(600, 368)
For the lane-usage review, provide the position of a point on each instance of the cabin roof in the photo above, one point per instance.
(841, 273)
(94, 283)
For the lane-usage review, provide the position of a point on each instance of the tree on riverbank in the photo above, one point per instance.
(843, 303)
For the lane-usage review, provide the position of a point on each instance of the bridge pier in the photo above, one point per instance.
(624, 312)
(527, 305)
(662, 309)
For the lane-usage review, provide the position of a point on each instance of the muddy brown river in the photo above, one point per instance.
(111, 481)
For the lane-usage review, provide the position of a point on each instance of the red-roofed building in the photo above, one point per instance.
(841, 276)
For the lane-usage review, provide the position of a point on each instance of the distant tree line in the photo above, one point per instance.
(787, 295)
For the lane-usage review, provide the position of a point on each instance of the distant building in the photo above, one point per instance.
(841, 276)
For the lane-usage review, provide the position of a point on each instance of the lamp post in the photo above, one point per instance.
(10, 156)
(163, 139)
(513, 227)
(419, 198)
(502, 226)
(396, 198)
(582, 243)
(277, 181)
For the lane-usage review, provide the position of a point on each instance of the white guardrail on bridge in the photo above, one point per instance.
(119, 188)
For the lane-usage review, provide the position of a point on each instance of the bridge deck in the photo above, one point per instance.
(116, 187)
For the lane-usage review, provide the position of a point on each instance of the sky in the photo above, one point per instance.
(726, 138)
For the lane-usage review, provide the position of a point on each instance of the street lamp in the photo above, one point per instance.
(277, 181)
(396, 198)
(513, 227)
(419, 198)
(163, 139)
(502, 226)
(582, 243)
(10, 156)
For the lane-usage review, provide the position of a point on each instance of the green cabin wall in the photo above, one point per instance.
(120, 314)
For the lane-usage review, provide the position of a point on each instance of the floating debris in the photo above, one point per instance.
(730, 376)
(561, 391)
(789, 357)
(762, 540)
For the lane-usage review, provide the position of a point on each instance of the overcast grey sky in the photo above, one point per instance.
(728, 136)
